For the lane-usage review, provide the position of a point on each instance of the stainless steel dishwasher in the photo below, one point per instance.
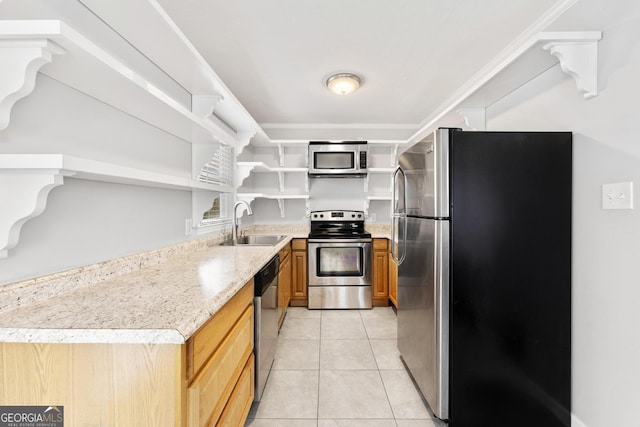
(266, 322)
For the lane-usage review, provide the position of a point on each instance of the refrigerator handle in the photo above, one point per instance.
(400, 216)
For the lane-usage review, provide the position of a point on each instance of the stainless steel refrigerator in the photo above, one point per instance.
(482, 235)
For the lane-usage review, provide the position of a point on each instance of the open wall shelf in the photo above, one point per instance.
(57, 50)
(244, 169)
(27, 179)
(280, 198)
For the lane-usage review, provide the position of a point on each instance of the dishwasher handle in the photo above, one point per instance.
(264, 278)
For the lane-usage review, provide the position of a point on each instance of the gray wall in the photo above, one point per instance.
(606, 244)
(86, 221)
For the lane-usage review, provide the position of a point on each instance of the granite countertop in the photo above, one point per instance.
(163, 303)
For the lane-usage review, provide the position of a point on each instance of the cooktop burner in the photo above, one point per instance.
(338, 225)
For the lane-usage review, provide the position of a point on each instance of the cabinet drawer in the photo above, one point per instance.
(380, 244)
(208, 395)
(299, 244)
(237, 409)
(206, 340)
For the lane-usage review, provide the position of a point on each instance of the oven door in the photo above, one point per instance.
(339, 262)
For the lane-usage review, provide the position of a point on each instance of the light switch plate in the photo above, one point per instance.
(617, 196)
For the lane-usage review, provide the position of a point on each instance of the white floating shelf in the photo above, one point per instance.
(95, 170)
(381, 170)
(302, 142)
(175, 55)
(69, 57)
(253, 196)
(524, 59)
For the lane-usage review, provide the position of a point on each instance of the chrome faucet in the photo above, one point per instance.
(234, 231)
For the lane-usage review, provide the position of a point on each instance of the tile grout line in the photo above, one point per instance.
(368, 337)
(319, 368)
(379, 373)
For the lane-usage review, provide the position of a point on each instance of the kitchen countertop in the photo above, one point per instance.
(162, 303)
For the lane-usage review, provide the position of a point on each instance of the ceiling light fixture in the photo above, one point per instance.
(343, 83)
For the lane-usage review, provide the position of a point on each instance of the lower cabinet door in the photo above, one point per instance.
(210, 391)
(237, 409)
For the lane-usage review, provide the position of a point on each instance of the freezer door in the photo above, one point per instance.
(426, 166)
(423, 310)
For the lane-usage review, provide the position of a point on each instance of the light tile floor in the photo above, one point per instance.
(339, 368)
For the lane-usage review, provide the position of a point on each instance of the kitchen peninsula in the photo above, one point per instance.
(166, 344)
(117, 347)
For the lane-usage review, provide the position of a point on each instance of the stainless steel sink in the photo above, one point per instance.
(257, 240)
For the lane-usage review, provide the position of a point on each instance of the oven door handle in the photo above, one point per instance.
(338, 240)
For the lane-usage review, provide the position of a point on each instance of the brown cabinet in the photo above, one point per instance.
(380, 273)
(284, 283)
(219, 361)
(207, 381)
(299, 295)
(393, 281)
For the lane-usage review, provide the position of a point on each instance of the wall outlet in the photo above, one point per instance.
(188, 226)
(617, 195)
(372, 217)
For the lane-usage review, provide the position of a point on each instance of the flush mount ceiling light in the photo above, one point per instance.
(343, 83)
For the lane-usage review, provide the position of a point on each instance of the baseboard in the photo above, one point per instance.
(576, 422)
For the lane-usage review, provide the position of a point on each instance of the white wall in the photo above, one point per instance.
(606, 244)
(85, 221)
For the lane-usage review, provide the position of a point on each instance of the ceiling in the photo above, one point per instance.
(275, 57)
(419, 60)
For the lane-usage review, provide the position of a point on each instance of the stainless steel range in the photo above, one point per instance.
(339, 260)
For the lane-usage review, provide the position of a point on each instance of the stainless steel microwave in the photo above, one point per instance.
(338, 159)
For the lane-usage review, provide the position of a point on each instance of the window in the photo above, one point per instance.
(221, 208)
(218, 171)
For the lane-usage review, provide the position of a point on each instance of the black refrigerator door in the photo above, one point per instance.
(510, 330)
